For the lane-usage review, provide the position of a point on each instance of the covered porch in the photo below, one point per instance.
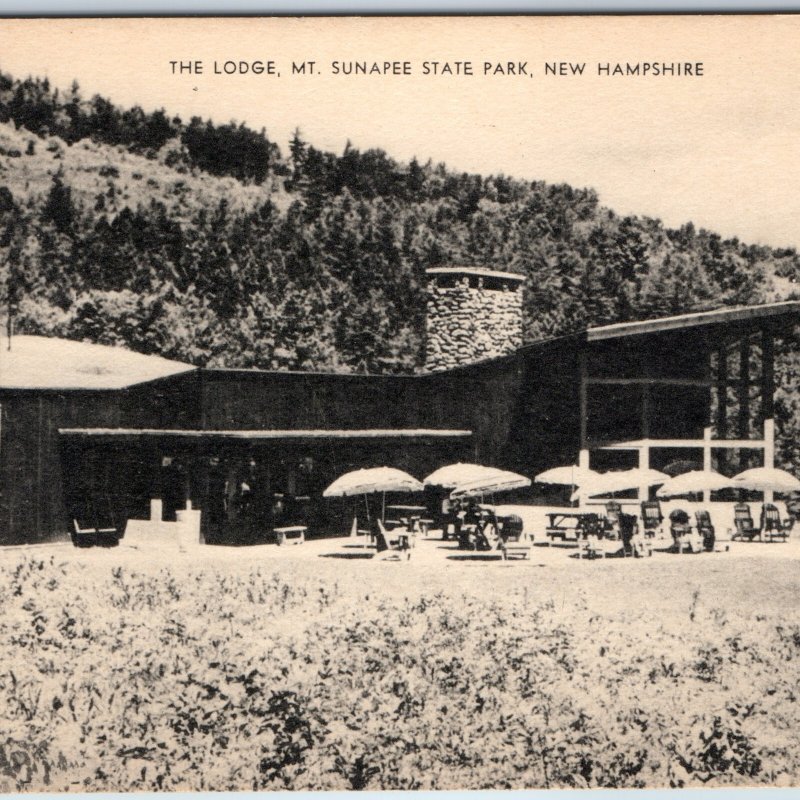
(245, 483)
(695, 391)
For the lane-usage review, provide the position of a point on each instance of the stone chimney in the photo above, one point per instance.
(473, 314)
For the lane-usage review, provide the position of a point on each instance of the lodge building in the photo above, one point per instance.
(84, 424)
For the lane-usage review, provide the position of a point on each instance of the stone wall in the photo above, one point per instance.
(467, 323)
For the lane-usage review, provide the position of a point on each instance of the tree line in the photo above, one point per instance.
(328, 273)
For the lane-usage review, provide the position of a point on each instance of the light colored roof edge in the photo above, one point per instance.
(53, 363)
(369, 433)
(692, 320)
(478, 271)
(89, 388)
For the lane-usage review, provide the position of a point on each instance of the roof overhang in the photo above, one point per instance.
(720, 316)
(129, 434)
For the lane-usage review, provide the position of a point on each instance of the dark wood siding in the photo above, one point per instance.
(31, 480)
(235, 400)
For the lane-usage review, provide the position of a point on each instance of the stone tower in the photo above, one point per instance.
(472, 314)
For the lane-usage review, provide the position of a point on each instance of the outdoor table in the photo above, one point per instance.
(558, 527)
(296, 534)
(409, 514)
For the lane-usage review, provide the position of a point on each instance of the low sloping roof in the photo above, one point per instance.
(719, 316)
(43, 362)
(267, 434)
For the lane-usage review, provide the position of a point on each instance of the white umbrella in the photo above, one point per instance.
(571, 475)
(695, 480)
(498, 481)
(371, 481)
(455, 474)
(766, 479)
(620, 481)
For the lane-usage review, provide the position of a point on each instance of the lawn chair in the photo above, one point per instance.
(772, 526)
(613, 512)
(705, 528)
(487, 533)
(652, 517)
(514, 540)
(743, 522)
(94, 529)
(634, 542)
(680, 529)
(391, 544)
(591, 529)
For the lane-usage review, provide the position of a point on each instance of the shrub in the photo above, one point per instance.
(251, 677)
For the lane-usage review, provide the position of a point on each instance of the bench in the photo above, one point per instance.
(291, 534)
(565, 534)
(91, 535)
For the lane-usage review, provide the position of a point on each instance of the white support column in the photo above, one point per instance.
(706, 458)
(644, 463)
(583, 454)
(767, 402)
(644, 450)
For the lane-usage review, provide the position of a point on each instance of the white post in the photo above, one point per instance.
(583, 455)
(767, 403)
(644, 463)
(706, 457)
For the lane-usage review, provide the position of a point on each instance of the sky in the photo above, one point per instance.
(720, 149)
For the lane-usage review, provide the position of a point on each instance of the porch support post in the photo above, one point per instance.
(707, 428)
(583, 455)
(644, 451)
(744, 389)
(644, 463)
(722, 394)
(767, 401)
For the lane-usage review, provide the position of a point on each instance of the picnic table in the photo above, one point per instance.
(410, 516)
(563, 523)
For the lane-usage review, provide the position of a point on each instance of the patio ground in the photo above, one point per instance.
(741, 575)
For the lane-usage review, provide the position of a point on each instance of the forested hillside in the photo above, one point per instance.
(205, 243)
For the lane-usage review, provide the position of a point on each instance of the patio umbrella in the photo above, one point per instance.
(570, 475)
(455, 474)
(695, 481)
(372, 481)
(620, 481)
(766, 479)
(497, 481)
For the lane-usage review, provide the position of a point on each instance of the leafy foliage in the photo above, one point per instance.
(317, 260)
(234, 677)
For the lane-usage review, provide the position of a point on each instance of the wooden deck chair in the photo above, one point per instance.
(772, 526)
(515, 542)
(391, 544)
(591, 529)
(652, 517)
(92, 528)
(634, 542)
(680, 529)
(706, 529)
(613, 512)
(743, 522)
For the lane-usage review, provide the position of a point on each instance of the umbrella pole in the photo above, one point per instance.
(383, 507)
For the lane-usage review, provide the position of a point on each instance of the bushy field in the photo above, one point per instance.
(313, 675)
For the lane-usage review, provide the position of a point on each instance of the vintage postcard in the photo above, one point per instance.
(399, 403)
